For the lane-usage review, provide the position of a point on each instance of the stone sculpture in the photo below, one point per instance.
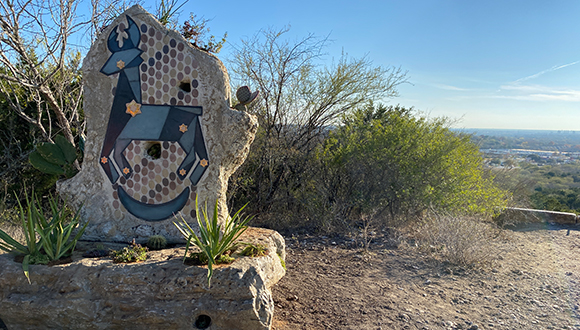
(160, 132)
(146, 88)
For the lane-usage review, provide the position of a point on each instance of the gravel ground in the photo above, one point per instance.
(532, 283)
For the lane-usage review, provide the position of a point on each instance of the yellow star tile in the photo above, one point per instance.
(120, 64)
(133, 108)
(203, 162)
(126, 170)
(182, 172)
(183, 128)
(104, 160)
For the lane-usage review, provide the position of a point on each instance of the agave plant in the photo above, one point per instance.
(214, 239)
(54, 240)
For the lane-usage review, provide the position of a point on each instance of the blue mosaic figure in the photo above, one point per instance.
(131, 120)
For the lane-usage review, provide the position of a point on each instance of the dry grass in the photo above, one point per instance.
(466, 241)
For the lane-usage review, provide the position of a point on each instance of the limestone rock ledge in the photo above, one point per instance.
(160, 293)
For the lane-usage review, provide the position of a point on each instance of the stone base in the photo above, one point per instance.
(160, 293)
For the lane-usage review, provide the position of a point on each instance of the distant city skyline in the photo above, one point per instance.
(492, 64)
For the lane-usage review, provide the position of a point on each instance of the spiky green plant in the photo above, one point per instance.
(54, 240)
(54, 237)
(214, 239)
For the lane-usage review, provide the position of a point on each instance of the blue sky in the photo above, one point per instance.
(491, 64)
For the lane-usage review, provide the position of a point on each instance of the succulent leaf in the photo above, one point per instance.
(52, 153)
(41, 164)
(68, 150)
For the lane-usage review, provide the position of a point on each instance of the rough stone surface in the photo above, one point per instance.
(172, 74)
(160, 293)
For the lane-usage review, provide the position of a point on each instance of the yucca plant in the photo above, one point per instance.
(53, 242)
(54, 238)
(31, 248)
(214, 239)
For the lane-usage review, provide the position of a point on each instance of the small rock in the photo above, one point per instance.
(517, 272)
(292, 298)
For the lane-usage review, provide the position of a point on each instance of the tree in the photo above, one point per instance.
(300, 100)
(40, 81)
(390, 162)
(40, 77)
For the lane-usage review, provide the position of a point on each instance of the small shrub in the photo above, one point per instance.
(254, 250)
(224, 259)
(157, 242)
(465, 241)
(133, 253)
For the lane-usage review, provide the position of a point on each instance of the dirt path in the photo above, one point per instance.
(534, 283)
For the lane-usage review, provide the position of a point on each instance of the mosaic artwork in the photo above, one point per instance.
(155, 106)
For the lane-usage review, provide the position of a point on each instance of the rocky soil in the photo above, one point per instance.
(533, 282)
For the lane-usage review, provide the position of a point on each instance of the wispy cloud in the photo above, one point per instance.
(521, 89)
(450, 88)
(538, 93)
(554, 68)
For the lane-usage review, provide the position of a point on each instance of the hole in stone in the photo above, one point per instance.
(2, 325)
(203, 322)
(154, 150)
(185, 86)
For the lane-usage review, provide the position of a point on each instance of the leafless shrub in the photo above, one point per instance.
(460, 240)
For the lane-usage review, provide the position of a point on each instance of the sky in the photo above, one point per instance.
(486, 64)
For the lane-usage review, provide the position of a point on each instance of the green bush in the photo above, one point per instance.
(390, 161)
